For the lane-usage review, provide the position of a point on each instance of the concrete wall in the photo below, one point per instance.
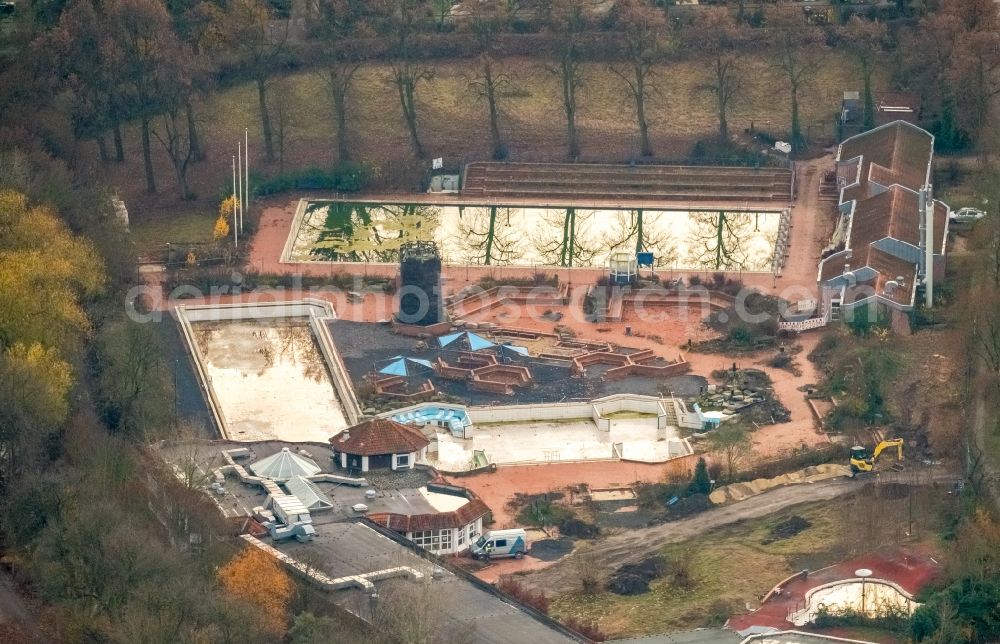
(338, 372)
(628, 403)
(523, 413)
(595, 410)
(264, 310)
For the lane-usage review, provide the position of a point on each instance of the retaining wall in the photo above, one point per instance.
(263, 310)
(648, 370)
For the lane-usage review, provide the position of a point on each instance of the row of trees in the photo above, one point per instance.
(152, 63)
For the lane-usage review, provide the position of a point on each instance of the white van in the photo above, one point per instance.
(500, 543)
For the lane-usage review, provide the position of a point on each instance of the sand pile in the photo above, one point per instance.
(746, 489)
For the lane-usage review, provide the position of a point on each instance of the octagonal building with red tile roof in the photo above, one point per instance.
(379, 443)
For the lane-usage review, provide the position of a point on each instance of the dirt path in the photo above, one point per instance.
(634, 545)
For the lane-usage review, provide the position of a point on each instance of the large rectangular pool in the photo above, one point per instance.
(352, 231)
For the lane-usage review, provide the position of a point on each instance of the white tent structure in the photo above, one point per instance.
(284, 465)
(308, 493)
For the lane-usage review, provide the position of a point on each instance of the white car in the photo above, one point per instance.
(967, 215)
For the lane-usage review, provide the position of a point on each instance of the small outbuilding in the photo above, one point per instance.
(379, 444)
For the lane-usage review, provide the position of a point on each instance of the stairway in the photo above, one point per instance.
(828, 190)
(671, 412)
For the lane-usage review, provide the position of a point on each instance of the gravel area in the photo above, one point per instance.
(398, 480)
(551, 549)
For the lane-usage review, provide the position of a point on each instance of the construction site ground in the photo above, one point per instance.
(731, 553)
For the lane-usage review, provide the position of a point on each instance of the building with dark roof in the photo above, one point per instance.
(379, 443)
(877, 252)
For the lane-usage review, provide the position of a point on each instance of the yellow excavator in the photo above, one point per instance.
(862, 462)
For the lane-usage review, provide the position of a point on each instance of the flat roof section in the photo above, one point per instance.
(697, 636)
(459, 605)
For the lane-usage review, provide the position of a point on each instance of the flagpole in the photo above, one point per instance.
(239, 160)
(246, 160)
(235, 199)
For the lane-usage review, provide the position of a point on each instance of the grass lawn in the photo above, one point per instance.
(453, 123)
(150, 233)
(729, 567)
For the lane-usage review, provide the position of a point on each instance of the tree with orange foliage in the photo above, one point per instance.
(255, 577)
(226, 208)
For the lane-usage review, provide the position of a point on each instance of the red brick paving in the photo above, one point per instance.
(498, 487)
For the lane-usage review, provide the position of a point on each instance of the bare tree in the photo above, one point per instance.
(247, 28)
(177, 132)
(733, 443)
(178, 145)
(975, 73)
(343, 28)
(406, 71)
(487, 22)
(865, 40)
(282, 105)
(721, 40)
(417, 613)
(935, 37)
(795, 48)
(133, 385)
(986, 333)
(990, 237)
(567, 20)
(71, 50)
(442, 11)
(141, 45)
(644, 30)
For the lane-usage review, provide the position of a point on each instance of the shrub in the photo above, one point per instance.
(573, 527)
(701, 483)
(678, 570)
(781, 361)
(534, 598)
(718, 612)
(543, 512)
(587, 629)
(345, 178)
